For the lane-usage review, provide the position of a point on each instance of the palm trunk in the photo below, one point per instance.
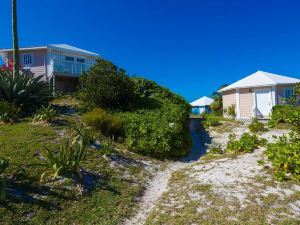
(15, 38)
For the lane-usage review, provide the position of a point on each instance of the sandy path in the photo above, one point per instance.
(159, 184)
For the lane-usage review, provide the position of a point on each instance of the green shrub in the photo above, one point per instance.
(154, 120)
(25, 91)
(102, 121)
(210, 121)
(256, 126)
(247, 143)
(285, 157)
(160, 133)
(214, 148)
(106, 86)
(4, 163)
(286, 114)
(9, 112)
(64, 158)
(46, 113)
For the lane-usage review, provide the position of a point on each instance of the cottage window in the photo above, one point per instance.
(288, 92)
(27, 59)
(80, 60)
(69, 58)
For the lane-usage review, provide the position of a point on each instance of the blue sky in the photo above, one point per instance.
(190, 46)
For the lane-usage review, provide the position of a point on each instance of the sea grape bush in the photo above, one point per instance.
(256, 126)
(247, 143)
(161, 133)
(286, 114)
(210, 121)
(284, 156)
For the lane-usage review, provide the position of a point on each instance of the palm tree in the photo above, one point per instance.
(217, 105)
(15, 38)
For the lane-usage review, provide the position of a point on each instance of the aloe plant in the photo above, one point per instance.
(4, 163)
(66, 159)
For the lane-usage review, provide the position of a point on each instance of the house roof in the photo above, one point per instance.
(63, 47)
(70, 48)
(202, 101)
(260, 79)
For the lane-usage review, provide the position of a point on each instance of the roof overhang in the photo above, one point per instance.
(73, 51)
(24, 49)
(254, 86)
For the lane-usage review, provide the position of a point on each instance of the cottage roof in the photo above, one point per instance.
(261, 79)
(202, 101)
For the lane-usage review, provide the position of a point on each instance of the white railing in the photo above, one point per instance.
(69, 67)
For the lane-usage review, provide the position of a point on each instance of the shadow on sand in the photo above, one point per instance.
(200, 138)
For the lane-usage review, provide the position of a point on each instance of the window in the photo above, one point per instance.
(69, 58)
(288, 92)
(80, 60)
(27, 59)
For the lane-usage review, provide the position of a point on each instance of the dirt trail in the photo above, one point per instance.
(159, 184)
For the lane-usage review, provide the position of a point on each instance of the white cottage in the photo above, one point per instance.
(255, 95)
(201, 105)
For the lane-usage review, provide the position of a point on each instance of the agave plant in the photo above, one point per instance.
(24, 90)
(4, 163)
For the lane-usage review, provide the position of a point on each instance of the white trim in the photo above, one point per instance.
(273, 96)
(237, 100)
(254, 104)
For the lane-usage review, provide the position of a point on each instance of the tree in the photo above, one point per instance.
(217, 105)
(107, 86)
(15, 38)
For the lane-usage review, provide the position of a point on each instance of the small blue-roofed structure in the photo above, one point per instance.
(201, 105)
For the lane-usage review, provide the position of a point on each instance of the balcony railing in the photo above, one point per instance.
(68, 67)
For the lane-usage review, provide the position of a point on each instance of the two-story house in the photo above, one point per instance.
(61, 64)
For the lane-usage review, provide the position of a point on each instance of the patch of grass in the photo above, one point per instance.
(104, 196)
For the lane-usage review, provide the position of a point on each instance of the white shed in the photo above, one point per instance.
(201, 105)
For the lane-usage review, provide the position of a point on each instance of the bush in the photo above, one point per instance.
(9, 112)
(161, 133)
(107, 86)
(46, 113)
(285, 157)
(286, 114)
(256, 126)
(210, 121)
(24, 90)
(104, 122)
(151, 118)
(247, 143)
